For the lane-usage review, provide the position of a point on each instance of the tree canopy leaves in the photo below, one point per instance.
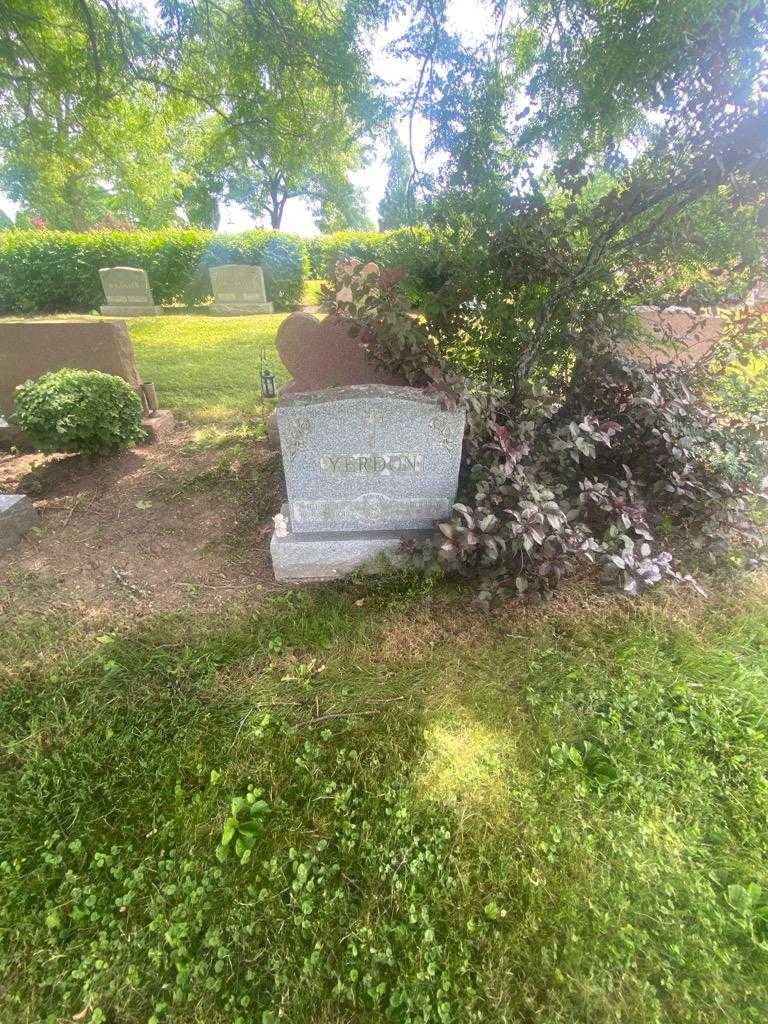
(280, 93)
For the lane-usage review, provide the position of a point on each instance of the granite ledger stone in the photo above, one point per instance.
(238, 290)
(127, 292)
(314, 557)
(366, 467)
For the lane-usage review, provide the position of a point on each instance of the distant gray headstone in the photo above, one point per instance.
(238, 290)
(127, 292)
(365, 467)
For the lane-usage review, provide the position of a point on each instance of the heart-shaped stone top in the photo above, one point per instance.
(323, 354)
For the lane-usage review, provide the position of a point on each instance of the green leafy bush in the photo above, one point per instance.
(79, 411)
(58, 271)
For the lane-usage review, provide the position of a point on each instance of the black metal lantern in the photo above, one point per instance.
(268, 388)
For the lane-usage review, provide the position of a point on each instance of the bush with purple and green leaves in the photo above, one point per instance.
(646, 471)
(417, 252)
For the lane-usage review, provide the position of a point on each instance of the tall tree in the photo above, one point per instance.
(343, 209)
(288, 84)
(570, 166)
(398, 205)
(307, 151)
(60, 63)
(283, 91)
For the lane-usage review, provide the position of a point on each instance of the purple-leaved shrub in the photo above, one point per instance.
(611, 461)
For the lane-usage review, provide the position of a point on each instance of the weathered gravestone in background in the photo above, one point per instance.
(683, 334)
(127, 292)
(757, 296)
(30, 348)
(366, 467)
(238, 290)
(323, 354)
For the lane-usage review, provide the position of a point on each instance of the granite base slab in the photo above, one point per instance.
(131, 310)
(233, 309)
(17, 516)
(273, 434)
(159, 426)
(317, 557)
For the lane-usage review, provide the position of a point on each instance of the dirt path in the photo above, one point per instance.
(159, 528)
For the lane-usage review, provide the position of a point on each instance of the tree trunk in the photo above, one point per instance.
(278, 198)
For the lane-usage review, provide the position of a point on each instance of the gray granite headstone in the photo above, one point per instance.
(365, 466)
(127, 292)
(238, 290)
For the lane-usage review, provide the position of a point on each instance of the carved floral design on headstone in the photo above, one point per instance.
(295, 436)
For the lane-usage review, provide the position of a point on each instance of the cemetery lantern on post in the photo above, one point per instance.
(268, 386)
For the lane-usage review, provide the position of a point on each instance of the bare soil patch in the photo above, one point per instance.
(160, 528)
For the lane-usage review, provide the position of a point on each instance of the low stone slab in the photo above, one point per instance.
(231, 309)
(320, 557)
(159, 426)
(131, 310)
(369, 458)
(127, 292)
(238, 290)
(17, 517)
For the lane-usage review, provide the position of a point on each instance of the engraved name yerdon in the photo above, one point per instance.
(373, 464)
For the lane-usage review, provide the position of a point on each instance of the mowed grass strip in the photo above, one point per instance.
(206, 368)
(338, 812)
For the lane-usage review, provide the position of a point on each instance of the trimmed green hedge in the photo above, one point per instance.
(381, 246)
(58, 271)
(413, 250)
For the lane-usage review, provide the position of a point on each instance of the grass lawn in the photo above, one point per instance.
(366, 802)
(207, 368)
(541, 818)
